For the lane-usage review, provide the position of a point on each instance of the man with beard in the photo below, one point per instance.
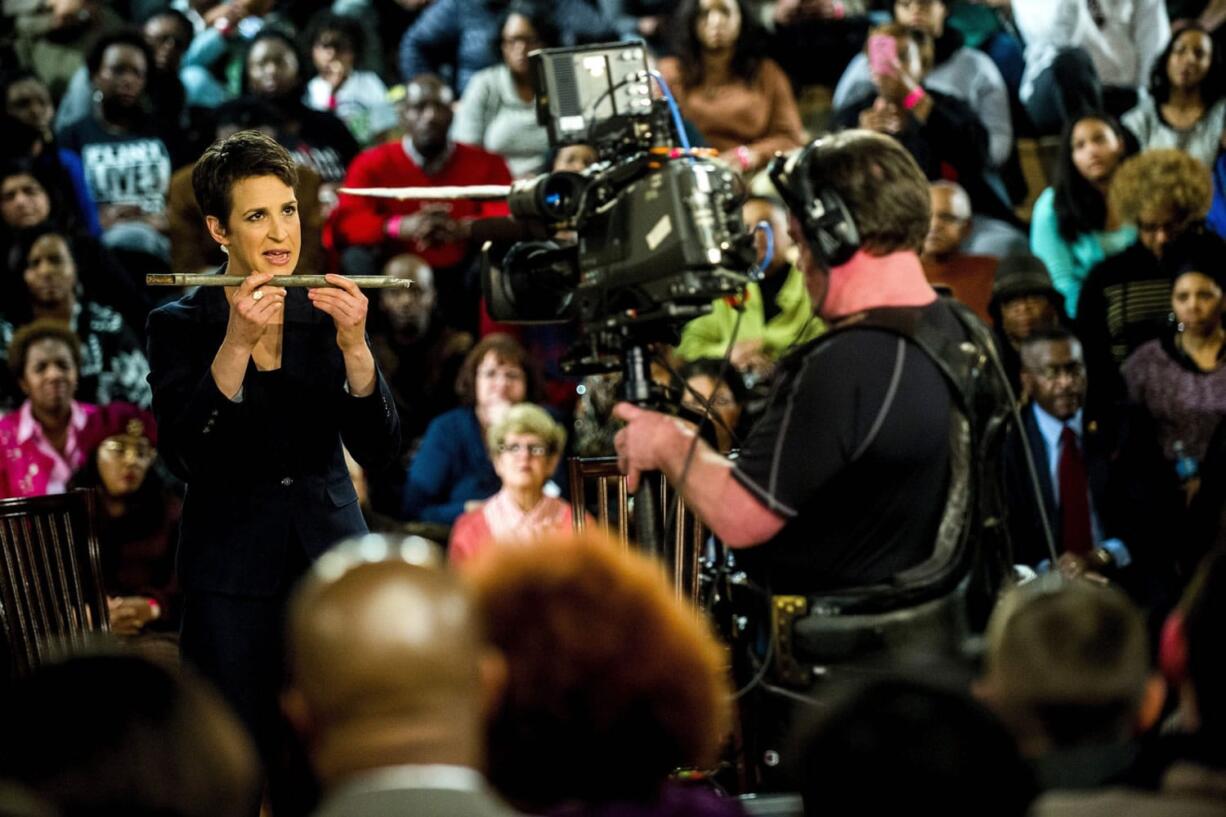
(436, 231)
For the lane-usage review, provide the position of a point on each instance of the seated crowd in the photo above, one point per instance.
(1101, 273)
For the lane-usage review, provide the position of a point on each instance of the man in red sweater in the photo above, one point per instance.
(370, 229)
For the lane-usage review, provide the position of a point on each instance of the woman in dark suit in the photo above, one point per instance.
(255, 388)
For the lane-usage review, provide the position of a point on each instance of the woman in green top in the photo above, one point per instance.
(1071, 227)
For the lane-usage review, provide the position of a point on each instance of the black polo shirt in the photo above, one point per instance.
(853, 452)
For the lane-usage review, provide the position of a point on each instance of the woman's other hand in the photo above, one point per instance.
(347, 306)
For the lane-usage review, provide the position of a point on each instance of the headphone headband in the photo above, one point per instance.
(827, 223)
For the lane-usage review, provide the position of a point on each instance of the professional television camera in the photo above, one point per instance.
(659, 230)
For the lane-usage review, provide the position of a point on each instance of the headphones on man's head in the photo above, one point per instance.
(824, 217)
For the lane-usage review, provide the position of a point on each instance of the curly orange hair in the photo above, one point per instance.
(613, 683)
(1161, 180)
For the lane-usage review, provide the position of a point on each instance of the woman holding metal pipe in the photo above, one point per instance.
(255, 388)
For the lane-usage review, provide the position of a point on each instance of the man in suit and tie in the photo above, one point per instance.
(1104, 486)
(390, 682)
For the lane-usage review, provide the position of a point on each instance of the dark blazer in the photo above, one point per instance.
(1132, 490)
(267, 471)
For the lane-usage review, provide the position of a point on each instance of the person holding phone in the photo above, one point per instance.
(939, 130)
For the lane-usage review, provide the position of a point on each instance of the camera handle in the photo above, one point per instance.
(639, 389)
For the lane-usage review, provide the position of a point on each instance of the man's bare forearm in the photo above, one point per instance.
(724, 505)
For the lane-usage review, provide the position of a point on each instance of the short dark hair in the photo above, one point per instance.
(32, 333)
(715, 369)
(124, 36)
(539, 16)
(880, 183)
(1053, 334)
(143, 740)
(228, 161)
(942, 750)
(330, 22)
(505, 348)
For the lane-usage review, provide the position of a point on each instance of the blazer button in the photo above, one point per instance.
(287, 481)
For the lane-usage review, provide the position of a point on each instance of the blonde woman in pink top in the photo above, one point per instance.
(525, 446)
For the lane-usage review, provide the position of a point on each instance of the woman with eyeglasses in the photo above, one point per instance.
(525, 448)
(137, 519)
(498, 109)
(452, 471)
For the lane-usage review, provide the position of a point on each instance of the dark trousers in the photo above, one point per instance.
(1070, 87)
(238, 644)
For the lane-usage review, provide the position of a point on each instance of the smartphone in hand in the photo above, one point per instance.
(883, 55)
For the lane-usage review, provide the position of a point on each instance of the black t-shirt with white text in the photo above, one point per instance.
(129, 168)
(853, 452)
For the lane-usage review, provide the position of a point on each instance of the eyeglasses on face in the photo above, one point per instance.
(535, 449)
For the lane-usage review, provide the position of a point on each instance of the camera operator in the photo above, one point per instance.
(845, 479)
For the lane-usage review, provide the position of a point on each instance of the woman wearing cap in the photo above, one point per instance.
(1180, 377)
(1023, 302)
(525, 446)
(137, 518)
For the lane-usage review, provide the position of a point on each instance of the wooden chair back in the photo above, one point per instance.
(51, 595)
(597, 487)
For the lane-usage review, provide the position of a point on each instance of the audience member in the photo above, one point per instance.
(1194, 782)
(54, 45)
(358, 97)
(28, 102)
(776, 314)
(713, 390)
(739, 99)
(457, 38)
(1086, 55)
(940, 131)
(814, 40)
(225, 32)
(437, 232)
(391, 682)
(50, 436)
(1125, 298)
(273, 78)
(31, 205)
(525, 446)
(126, 159)
(894, 746)
(1071, 227)
(452, 471)
(497, 111)
(169, 33)
(1023, 302)
(1067, 669)
(1106, 495)
(964, 73)
(418, 354)
(137, 520)
(112, 364)
(1186, 104)
(612, 682)
(1179, 377)
(968, 277)
(108, 733)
